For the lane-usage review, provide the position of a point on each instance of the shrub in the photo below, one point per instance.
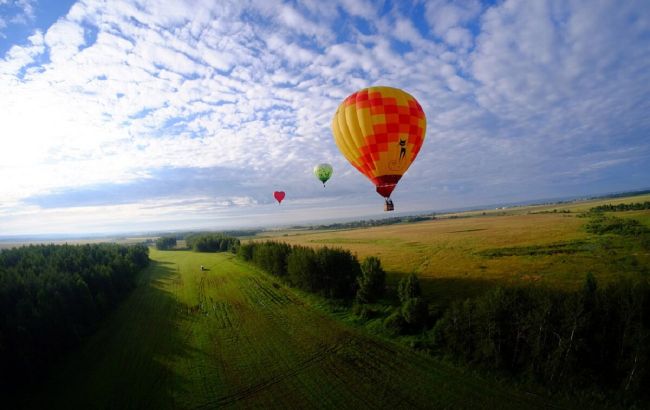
(364, 311)
(395, 323)
(415, 312)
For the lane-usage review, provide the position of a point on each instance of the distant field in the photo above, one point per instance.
(231, 337)
(120, 240)
(575, 207)
(458, 257)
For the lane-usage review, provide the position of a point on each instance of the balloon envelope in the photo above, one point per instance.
(279, 196)
(380, 130)
(323, 172)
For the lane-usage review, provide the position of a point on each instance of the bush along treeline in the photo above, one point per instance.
(329, 272)
(600, 224)
(412, 314)
(212, 242)
(52, 296)
(637, 206)
(165, 242)
(595, 338)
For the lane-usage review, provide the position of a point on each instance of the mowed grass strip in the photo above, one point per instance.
(232, 337)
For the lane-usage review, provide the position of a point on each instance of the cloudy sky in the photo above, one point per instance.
(129, 115)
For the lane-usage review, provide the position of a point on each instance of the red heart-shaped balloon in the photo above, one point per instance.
(279, 196)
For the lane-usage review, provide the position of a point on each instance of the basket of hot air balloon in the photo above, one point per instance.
(380, 131)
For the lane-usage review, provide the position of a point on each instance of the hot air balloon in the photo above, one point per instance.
(323, 172)
(380, 130)
(279, 196)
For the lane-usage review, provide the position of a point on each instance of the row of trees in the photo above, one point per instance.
(576, 340)
(165, 243)
(51, 296)
(212, 242)
(373, 222)
(637, 206)
(329, 272)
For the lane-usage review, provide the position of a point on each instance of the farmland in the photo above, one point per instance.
(232, 337)
(460, 255)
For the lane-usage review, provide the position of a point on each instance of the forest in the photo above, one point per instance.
(594, 338)
(326, 271)
(637, 206)
(52, 296)
(212, 242)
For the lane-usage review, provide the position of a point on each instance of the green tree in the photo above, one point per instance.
(408, 288)
(415, 312)
(165, 243)
(372, 281)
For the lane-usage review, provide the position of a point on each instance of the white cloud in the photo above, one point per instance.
(544, 89)
(406, 31)
(63, 40)
(459, 37)
(359, 8)
(20, 56)
(444, 14)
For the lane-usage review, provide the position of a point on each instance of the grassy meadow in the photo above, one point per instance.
(231, 337)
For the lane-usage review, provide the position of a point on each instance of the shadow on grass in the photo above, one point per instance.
(443, 291)
(128, 361)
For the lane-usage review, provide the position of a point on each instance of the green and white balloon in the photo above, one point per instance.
(323, 172)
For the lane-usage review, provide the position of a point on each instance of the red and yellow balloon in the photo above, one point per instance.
(380, 130)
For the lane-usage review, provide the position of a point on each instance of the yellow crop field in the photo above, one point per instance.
(465, 253)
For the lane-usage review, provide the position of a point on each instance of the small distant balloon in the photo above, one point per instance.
(323, 172)
(279, 196)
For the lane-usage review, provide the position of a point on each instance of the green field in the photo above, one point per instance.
(234, 337)
(231, 337)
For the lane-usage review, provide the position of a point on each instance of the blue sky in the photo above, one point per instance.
(151, 115)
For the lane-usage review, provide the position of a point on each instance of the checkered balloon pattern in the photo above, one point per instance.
(380, 130)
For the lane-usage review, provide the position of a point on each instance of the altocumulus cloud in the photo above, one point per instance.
(156, 114)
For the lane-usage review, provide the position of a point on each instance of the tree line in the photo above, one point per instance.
(600, 224)
(52, 296)
(370, 222)
(637, 206)
(329, 272)
(165, 243)
(579, 340)
(337, 274)
(212, 242)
